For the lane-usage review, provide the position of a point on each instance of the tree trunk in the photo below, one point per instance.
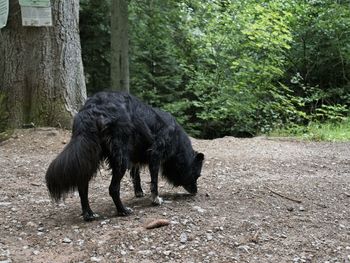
(119, 46)
(41, 71)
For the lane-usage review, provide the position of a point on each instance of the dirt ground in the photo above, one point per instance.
(259, 200)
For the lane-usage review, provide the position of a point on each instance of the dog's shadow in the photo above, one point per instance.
(108, 211)
(168, 199)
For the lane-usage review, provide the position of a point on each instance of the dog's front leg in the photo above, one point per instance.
(154, 170)
(114, 191)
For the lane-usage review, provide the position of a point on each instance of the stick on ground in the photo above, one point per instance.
(283, 196)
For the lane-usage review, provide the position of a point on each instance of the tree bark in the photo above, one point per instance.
(41, 70)
(119, 46)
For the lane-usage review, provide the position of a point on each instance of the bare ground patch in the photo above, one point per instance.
(260, 200)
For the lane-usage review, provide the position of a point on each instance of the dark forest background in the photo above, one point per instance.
(237, 68)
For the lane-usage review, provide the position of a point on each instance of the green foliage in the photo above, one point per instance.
(238, 63)
(320, 56)
(231, 67)
(95, 43)
(156, 69)
(315, 131)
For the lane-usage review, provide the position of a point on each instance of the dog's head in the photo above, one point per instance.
(196, 169)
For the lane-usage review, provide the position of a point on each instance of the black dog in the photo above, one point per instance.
(127, 133)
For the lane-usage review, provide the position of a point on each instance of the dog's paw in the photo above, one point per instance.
(125, 212)
(88, 217)
(157, 200)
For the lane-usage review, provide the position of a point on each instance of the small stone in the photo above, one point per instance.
(145, 252)
(209, 237)
(104, 222)
(123, 252)
(301, 209)
(296, 259)
(95, 259)
(66, 240)
(183, 238)
(131, 248)
(167, 253)
(199, 209)
(244, 248)
(36, 252)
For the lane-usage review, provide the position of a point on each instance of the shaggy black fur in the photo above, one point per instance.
(127, 133)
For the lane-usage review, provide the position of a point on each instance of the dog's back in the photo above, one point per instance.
(138, 125)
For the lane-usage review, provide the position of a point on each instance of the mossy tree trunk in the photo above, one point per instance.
(41, 71)
(119, 46)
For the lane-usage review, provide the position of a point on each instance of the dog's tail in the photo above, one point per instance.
(76, 164)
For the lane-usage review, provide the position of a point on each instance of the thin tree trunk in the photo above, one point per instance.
(119, 46)
(41, 71)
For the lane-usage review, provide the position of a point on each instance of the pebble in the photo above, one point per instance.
(209, 237)
(66, 240)
(199, 209)
(104, 222)
(244, 248)
(95, 259)
(301, 208)
(145, 252)
(183, 238)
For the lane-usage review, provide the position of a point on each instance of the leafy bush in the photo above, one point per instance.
(231, 68)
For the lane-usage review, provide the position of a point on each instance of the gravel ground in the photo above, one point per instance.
(259, 200)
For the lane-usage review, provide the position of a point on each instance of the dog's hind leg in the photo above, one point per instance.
(154, 166)
(83, 189)
(136, 180)
(114, 190)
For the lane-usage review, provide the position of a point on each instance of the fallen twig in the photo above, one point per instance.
(283, 196)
